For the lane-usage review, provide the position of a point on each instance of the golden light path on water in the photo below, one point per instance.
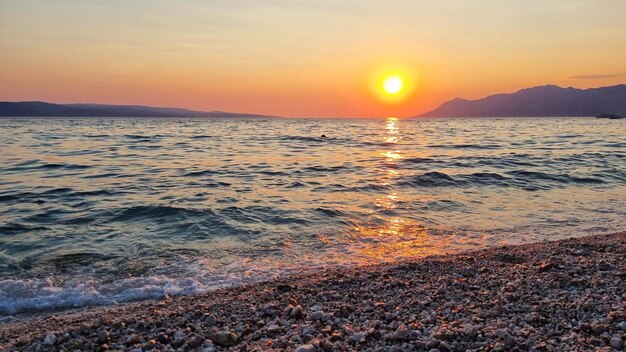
(396, 237)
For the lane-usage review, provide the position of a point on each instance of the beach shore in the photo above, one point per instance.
(568, 295)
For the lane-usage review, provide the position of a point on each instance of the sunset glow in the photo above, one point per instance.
(302, 59)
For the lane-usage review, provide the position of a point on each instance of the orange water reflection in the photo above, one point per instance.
(390, 238)
(397, 239)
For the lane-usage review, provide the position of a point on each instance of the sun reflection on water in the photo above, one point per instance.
(389, 238)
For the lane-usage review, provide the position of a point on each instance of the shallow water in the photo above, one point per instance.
(98, 211)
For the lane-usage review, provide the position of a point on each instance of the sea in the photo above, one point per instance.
(106, 211)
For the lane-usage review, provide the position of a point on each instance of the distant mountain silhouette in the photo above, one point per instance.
(42, 109)
(543, 101)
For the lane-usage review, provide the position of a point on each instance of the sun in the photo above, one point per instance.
(393, 84)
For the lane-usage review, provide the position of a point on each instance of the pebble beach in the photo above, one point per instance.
(567, 295)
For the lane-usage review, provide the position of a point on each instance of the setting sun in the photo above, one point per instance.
(393, 84)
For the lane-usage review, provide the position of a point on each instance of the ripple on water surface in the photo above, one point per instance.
(98, 211)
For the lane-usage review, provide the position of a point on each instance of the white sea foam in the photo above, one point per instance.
(200, 275)
(43, 294)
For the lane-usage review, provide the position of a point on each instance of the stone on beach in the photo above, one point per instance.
(617, 343)
(305, 348)
(318, 315)
(103, 336)
(297, 312)
(209, 320)
(50, 340)
(149, 345)
(195, 341)
(225, 338)
(401, 333)
(133, 339)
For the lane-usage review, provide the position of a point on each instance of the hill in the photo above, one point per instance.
(43, 109)
(542, 101)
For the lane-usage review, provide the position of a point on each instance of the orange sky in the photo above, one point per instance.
(303, 58)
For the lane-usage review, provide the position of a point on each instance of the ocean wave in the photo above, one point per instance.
(200, 173)
(154, 212)
(519, 178)
(17, 296)
(63, 194)
(55, 293)
(47, 166)
(263, 214)
(431, 179)
(465, 146)
(17, 228)
(418, 160)
(301, 139)
(527, 176)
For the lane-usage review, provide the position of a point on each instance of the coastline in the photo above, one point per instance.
(562, 295)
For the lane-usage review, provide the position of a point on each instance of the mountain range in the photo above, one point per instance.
(43, 109)
(542, 101)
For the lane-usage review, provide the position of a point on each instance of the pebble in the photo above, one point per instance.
(50, 340)
(305, 348)
(196, 341)
(598, 328)
(225, 338)
(273, 329)
(509, 340)
(133, 339)
(209, 320)
(317, 315)
(499, 346)
(309, 330)
(297, 312)
(178, 336)
(432, 343)
(149, 345)
(103, 336)
(401, 333)
(358, 337)
(617, 343)
(445, 346)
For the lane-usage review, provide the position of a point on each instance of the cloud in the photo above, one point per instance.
(596, 76)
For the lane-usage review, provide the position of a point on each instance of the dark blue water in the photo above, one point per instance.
(103, 211)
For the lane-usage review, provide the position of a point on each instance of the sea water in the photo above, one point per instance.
(101, 211)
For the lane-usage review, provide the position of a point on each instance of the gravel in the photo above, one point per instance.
(553, 296)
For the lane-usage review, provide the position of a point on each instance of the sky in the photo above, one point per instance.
(303, 58)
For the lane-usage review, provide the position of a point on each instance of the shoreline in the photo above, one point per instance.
(563, 295)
